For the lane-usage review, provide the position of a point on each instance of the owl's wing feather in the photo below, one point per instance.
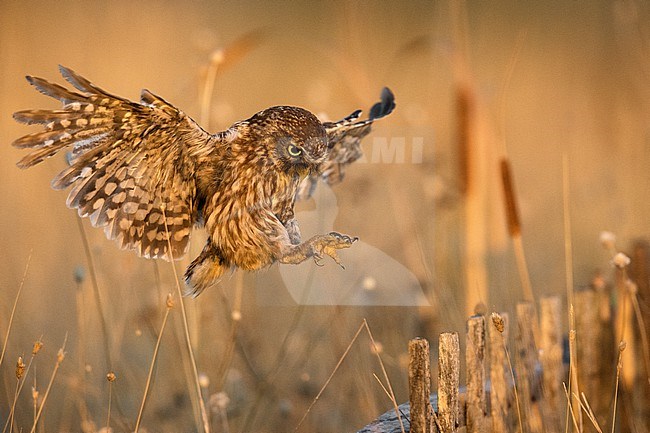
(132, 165)
(344, 139)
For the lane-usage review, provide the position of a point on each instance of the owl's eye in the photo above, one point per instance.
(294, 150)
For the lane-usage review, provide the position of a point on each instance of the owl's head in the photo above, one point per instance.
(295, 139)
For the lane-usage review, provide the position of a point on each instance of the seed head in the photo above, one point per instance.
(38, 344)
(498, 322)
(20, 368)
(110, 376)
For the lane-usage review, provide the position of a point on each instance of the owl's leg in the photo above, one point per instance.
(317, 247)
(204, 270)
(294, 231)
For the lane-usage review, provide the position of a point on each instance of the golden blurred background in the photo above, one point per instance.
(546, 80)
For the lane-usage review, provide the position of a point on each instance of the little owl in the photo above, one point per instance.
(147, 173)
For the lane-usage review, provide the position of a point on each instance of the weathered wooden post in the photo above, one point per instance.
(474, 359)
(551, 361)
(420, 386)
(500, 395)
(525, 362)
(593, 358)
(448, 382)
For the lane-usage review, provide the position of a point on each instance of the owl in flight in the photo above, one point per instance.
(147, 173)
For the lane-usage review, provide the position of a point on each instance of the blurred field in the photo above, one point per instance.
(548, 79)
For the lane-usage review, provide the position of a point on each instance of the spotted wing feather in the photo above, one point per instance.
(132, 165)
(344, 139)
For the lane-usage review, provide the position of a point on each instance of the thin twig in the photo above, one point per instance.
(13, 309)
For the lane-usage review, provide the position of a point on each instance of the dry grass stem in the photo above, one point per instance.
(642, 330)
(216, 59)
(568, 258)
(570, 410)
(96, 292)
(13, 308)
(186, 332)
(110, 377)
(590, 414)
(386, 378)
(329, 378)
(376, 351)
(221, 59)
(514, 388)
(235, 315)
(619, 366)
(169, 304)
(60, 356)
(35, 349)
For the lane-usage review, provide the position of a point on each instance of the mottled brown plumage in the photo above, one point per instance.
(147, 173)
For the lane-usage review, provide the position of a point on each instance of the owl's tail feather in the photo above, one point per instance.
(204, 271)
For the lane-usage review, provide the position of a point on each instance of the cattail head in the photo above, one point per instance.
(512, 211)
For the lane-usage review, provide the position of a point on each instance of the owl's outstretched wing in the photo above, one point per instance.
(132, 165)
(344, 139)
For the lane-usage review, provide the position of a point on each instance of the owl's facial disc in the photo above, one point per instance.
(300, 156)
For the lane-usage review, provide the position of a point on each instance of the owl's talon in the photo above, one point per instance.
(317, 259)
(329, 244)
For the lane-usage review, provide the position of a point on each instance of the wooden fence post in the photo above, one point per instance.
(593, 357)
(474, 360)
(420, 386)
(551, 360)
(500, 395)
(526, 362)
(448, 382)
